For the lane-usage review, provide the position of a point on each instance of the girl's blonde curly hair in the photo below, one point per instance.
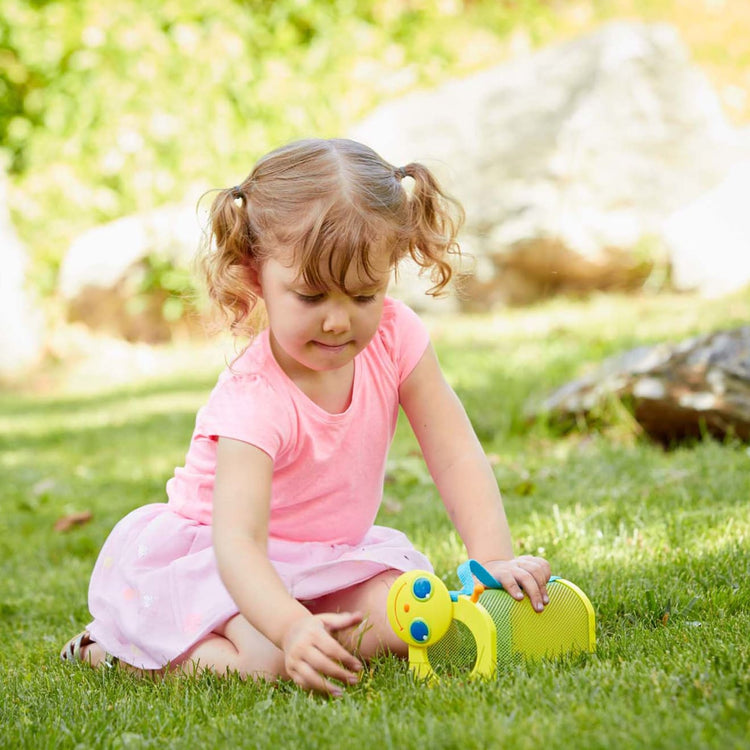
(330, 203)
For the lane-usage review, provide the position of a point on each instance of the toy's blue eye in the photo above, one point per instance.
(419, 630)
(422, 589)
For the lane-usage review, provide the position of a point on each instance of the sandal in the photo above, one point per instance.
(73, 650)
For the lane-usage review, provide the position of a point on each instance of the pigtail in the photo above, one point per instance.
(229, 259)
(435, 219)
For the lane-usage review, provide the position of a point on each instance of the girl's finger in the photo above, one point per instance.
(540, 569)
(529, 584)
(324, 665)
(544, 593)
(335, 621)
(508, 582)
(307, 678)
(332, 649)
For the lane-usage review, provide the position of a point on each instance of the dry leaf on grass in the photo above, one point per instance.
(74, 519)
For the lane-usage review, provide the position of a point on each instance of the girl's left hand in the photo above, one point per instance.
(524, 573)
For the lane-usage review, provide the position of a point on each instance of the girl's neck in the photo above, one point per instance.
(331, 390)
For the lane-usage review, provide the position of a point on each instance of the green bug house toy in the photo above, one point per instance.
(480, 628)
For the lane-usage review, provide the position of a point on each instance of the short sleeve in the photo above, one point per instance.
(404, 335)
(247, 408)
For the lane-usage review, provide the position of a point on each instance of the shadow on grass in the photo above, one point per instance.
(137, 432)
(15, 404)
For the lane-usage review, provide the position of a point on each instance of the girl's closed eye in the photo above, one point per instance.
(365, 299)
(310, 298)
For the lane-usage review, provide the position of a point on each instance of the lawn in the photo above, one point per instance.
(658, 539)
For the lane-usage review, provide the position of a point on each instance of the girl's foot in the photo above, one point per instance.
(82, 648)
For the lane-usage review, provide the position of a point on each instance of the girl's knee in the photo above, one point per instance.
(238, 648)
(378, 635)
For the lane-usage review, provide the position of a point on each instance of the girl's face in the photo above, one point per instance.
(319, 329)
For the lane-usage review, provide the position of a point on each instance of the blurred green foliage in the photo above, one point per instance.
(107, 108)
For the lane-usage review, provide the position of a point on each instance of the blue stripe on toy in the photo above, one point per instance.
(471, 569)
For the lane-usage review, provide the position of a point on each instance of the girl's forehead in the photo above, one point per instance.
(355, 280)
(338, 272)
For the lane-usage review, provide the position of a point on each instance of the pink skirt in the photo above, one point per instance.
(156, 591)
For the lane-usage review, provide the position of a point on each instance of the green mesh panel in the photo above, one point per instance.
(455, 653)
(498, 603)
(562, 628)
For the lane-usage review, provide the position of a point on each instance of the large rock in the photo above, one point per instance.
(21, 330)
(569, 160)
(104, 270)
(709, 239)
(697, 386)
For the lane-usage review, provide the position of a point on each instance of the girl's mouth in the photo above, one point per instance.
(332, 347)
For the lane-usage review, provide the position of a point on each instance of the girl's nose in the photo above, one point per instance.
(336, 319)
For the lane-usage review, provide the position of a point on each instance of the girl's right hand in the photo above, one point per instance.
(523, 574)
(312, 654)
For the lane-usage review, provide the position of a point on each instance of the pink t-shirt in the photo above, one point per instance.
(328, 468)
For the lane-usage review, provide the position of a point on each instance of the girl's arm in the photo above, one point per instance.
(241, 508)
(465, 480)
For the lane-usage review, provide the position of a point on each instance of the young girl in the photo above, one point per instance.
(265, 559)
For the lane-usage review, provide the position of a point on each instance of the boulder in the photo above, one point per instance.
(709, 239)
(104, 270)
(569, 160)
(674, 390)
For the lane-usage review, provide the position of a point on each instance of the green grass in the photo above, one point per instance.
(658, 539)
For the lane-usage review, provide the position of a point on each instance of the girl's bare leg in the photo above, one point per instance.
(375, 636)
(236, 646)
(96, 656)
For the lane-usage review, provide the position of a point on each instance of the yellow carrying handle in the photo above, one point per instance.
(477, 619)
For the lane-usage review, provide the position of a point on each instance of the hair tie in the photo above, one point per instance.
(400, 172)
(237, 193)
